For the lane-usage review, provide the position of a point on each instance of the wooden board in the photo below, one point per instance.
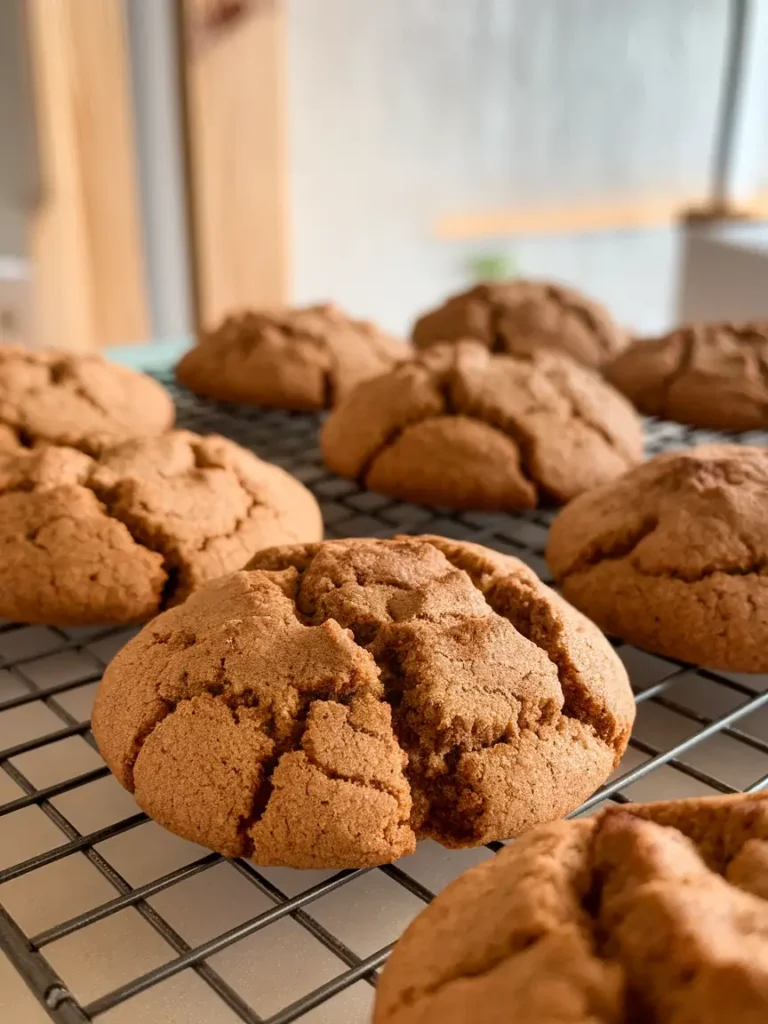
(86, 246)
(632, 214)
(235, 75)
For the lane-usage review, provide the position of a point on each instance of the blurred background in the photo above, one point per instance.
(165, 161)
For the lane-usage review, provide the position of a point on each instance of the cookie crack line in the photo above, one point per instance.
(757, 569)
(255, 503)
(70, 383)
(61, 378)
(514, 429)
(218, 690)
(686, 358)
(498, 338)
(416, 777)
(351, 777)
(558, 657)
(761, 363)
(522, 444)
(587, 320)
(526, 441)
(174, 564)
(329, 385)
(248, 342)
(622, 548)
(575, 708)
(152, 529)
(261, 795)
(169, 567)
(597, 428)
(571, 693)
(498, 310)
(625, 550)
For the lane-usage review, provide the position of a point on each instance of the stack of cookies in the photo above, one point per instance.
(327, 704)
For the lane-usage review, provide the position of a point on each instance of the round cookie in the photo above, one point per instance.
(707, 375)
(644, 912)
(301, 359)
(460, 427)
(334, 702)
(673, 555)
(51, 397)
(522, 318)
(86, 541)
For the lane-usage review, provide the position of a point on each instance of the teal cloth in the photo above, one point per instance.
(155, 355)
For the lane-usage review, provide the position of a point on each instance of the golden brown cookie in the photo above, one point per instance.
(673, 556)
(291, 359)
(115, 539)
(645, 912)
(463, 428)
(335, 702)
(706, 375)
(522, 318)
(9, 440)
(51, 397)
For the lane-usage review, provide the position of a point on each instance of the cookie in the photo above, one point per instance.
(707, 375)
(672, 556)
(301, 359)
(334, 702)
(9, 440)
(460, 427)
(82, 401)
(87, 541)
(522, 318)
(644, 912)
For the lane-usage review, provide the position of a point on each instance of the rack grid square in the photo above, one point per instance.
(106, 917)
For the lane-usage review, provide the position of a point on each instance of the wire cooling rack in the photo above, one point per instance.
(106, 917)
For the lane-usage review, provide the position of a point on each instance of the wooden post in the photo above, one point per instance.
(234, 58)
(88, 285)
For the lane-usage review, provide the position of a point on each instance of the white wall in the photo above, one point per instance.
(408, 110)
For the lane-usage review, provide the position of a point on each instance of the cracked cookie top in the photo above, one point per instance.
(51, 397)
(706, 375)
(673, 556)
(522, 318)
(115, 539)
(334, 702)
(645, 912)
(464, 428)
(304, 358)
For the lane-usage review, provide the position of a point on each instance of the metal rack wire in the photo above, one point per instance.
(698, 731)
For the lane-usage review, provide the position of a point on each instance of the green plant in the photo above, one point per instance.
(492, 267)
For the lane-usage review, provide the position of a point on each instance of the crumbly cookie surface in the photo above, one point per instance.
(523, 318)
(335, 702)
(653, 912)
(115, 539)
(304, 358)
(463, 428)
(708, 375)
(51, 397)
(673, 556)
